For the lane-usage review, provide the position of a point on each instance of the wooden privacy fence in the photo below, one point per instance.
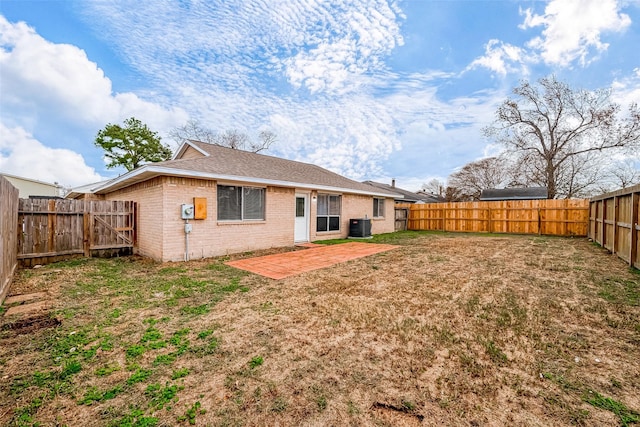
(613, 223)
(549, 217)
(54, 229)
(8, 223)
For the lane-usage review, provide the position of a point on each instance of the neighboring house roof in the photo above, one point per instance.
(408, 196)
(85, 189)
(430, 197)
(226, 164)
(28, 187)
(529, 193)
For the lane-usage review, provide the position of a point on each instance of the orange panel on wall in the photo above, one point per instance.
(200, 205)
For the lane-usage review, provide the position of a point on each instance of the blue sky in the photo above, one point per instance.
(371, 89)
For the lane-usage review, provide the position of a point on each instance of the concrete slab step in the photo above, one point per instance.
(19, 299)
(20, 310)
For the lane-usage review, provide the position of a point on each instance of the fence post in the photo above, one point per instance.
(633, 252)
(86, 228)
(51, 225)
(603, 235)
(614, 245)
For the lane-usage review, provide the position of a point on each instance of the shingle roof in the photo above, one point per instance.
(409, 197)
(228, 164)
(529, 193)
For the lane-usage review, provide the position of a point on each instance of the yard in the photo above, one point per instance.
(447, 329)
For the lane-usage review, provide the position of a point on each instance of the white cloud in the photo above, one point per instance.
(241, 65)
(48, 81)
(572, 29)
(22, 155)
(322, 46)
(354, 44)
(502, 58)
(626, 90)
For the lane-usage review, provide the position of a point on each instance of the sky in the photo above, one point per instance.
(370, 89)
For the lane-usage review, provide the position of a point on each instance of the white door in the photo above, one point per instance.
(301, 233)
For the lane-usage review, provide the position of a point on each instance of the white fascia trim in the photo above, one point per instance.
(183, 147)
(160, 170)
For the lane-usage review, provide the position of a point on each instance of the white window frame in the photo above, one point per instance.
(329, 215)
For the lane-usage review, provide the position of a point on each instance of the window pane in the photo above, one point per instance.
(299, 207)
(323, 204)
(322, 223)
(334, 205)
(334, 223)
(229, 202)
(378, 208)
(253, 203)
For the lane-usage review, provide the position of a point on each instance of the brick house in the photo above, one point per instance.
(243, 201)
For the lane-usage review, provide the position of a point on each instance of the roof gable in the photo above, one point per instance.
(190, 149)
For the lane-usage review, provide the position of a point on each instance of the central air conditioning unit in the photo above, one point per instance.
(360, 228)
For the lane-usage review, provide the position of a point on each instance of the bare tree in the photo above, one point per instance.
(555, 127)
(491, 172)
(192, 130)
(232, 138)
(626, 174)
(434, 186)
(620, 174)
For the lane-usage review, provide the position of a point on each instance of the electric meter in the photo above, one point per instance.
(187, 211)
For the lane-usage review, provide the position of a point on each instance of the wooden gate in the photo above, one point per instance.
(402, 218)
(53, 229)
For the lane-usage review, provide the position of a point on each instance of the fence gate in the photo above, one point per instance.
(402, 217)
(50, 230)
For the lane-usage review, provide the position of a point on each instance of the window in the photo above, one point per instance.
(240, 203)
(378, 208)
(328, 217)
(300, 207)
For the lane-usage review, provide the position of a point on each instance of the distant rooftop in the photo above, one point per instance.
(409, 196)
(524, 193)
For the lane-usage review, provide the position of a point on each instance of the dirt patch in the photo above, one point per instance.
(31, 324)
(445, 330)
(398, 415)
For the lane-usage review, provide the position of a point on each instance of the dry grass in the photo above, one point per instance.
(446, 330)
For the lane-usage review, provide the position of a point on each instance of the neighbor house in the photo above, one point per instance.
(521, 193)
(406, 196)
(241, 201)
(28, 187)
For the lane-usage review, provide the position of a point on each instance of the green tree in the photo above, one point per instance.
(131, 145)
